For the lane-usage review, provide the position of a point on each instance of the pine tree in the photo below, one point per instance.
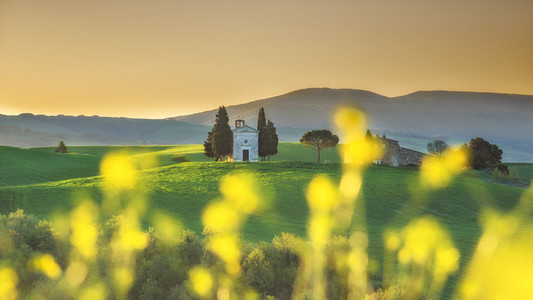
(221, 135)
(263, 139)
(319, 139)
(272, 138)
(61, 148)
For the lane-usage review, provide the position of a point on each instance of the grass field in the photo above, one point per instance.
(44, 183)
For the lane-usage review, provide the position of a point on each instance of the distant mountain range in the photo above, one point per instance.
(28, 130)
(413, 119)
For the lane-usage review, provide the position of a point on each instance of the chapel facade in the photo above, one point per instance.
(245, 142)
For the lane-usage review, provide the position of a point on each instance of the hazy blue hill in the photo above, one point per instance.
(413, 119)
(27, 130)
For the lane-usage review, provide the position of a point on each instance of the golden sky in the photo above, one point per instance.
(162, 58)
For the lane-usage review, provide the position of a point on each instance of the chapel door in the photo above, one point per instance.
(245, 155)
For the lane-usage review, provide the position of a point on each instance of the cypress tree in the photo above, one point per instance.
(272, 137)
(221, 135)
(263, 139)
(208, 146)
(261, 119)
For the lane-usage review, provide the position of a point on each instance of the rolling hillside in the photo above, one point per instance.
(46, 184)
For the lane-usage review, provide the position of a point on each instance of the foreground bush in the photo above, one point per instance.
(161, 271)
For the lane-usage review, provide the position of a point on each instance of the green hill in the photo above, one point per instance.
(45, 183)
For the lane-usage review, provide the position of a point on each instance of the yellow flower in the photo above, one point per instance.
(8, 283)
(119, 172)
(45, 263)
(437, 172)
(322, 195)
(84, 231)
(201, 281)
(226, 246)
(425, 241)
(241, 191)
(220, 217)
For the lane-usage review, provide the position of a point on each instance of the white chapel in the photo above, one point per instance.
(245, 142)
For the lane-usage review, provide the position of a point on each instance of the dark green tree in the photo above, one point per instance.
(261, 119)
(221, 135)
(318, 140)
(368, 134)
(208, 147)
(484, 154)
(263, 136)
(272, 138)
(61, 148)
(437, 147)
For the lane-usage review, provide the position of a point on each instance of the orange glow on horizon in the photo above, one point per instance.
(161, 58)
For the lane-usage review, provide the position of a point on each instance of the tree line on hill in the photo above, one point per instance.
(483, 154)
(219, 142)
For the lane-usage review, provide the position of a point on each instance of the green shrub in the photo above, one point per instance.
(179, 158)
(501, 172)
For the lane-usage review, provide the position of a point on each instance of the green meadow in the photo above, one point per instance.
(44, 183)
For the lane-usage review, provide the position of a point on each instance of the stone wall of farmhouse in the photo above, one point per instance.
(409, 157)
(391, 150)
(395, 156)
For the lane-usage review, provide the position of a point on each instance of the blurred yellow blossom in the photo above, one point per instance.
(76, 273)
(227, 247)
(361, 152)
(422, 239)
(322, 195)
(45, 263)
(504, 273)
(130, 237)
(123, 279)
(201, 281)
(352, 122)
(166, 227)
(392, 240)
(241, 191)
(437, 171)
(350, 185)
(118, 171)
(95, 291)
(357, 149)
(220, 217)
(320, 227)
(8, 283)
(84, 232)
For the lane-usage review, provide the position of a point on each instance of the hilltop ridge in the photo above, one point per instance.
(414, 119)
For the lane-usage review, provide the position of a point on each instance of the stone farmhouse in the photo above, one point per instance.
(394, 155)
(245, 142)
